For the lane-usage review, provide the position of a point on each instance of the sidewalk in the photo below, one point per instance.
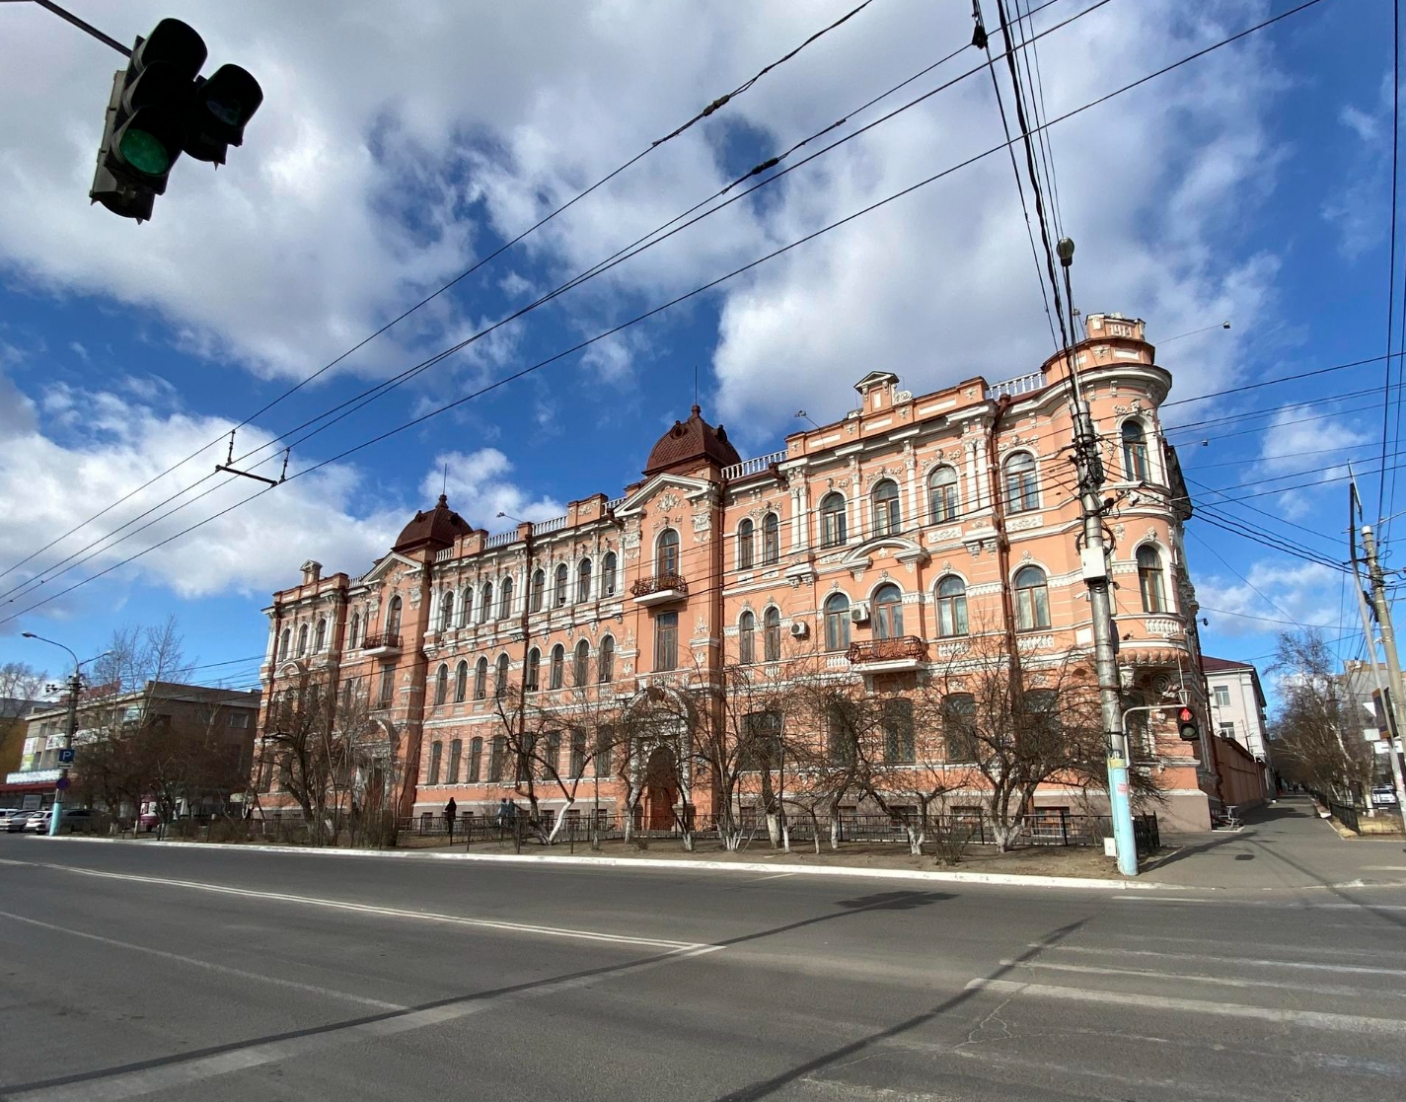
(1284, 845)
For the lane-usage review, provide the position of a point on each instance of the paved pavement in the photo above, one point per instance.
(1281, 846)
(172, 973)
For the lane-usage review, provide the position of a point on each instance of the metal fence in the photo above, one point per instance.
(1052, 827)
(1343, 813)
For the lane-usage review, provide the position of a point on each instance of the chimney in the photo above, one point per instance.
(312, 572)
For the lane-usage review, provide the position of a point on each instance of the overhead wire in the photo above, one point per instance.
(861, 212)
(710, 109)
(649, 240)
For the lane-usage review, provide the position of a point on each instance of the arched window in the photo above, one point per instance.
(456, 751)
(446, 611)
(1150, 581)
(1032, 599)
(888, 612)
(583, 581)
(1022, 483)
(393, 617)
(1134, 452)
(466, 607)
(666, 553)
(951, 606)
(837, 622)
(505, 599)
(771, 539)
(581, 664)
(747, 639)
(771, 634)
(745, 536)
(532, 679)
(832, 520)
(285, 643)
(539, 589)
(558, 668)
(441, 685)
(888, 519)
(302, 640)
(481, 679)
(500, 680)
(485, 603)
(436, 749)
(354, 631)
(943, 503)
(559, 587)
(607, 575)
(461, 682)
(319, 639)
(606, 660)
(475, 760)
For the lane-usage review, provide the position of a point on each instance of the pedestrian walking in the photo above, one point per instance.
(451, 810)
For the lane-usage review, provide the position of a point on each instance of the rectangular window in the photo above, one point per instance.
(456, 750)
(1227, 729)
(666, 641)
(839, 733)
(578, 752)
(495, 759)
(435, 750)
(898, 732)
(387, 696)
(959, 726)
(239, 719)
(551, 755)
(1223, 696)
(475, 763)
(605, 744)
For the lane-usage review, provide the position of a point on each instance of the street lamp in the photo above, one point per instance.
(75, 686)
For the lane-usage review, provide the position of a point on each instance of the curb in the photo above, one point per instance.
(850, 871)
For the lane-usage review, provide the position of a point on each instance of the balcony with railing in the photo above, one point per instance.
(904, 652)
(756, 465)
(1021, 384)
(659, 589)
(502, 539)
(381, 644)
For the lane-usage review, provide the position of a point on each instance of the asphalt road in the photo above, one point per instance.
(180, 973)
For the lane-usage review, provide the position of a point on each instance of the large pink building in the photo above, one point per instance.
(883, 542)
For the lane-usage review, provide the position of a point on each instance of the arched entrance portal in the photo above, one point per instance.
(661, 790)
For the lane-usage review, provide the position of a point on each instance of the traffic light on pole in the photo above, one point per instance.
(161, 107)
(1186, 724)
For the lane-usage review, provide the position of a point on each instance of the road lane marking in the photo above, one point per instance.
(211, 966)
(1219, 981)
(774, 876)
(176, 1072)
(1314, 1019)
(1257, 962)
(1296, 904)
(391, 912)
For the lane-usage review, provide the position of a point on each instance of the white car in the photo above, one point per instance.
(1383, 796)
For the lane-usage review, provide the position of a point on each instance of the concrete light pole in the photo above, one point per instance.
(1394, 699)
(1094, 563)
(75, 686)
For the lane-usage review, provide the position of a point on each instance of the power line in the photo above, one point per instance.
(1391, 266)
(710, 109)
(1282, 378)
(359, 401)
(696, 291)
(1244, 579)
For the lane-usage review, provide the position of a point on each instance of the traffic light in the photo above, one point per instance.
(161, 107)
(1186, 724)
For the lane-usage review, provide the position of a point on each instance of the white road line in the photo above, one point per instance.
(1218, 981)
(390, 912)
(1313, 1019)
(1256, 962)
(211, 966)
(1296, 904)
(774, 876)
(117, 1086)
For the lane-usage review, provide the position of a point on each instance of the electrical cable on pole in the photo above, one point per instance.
(1093, 559)
(1390, 698)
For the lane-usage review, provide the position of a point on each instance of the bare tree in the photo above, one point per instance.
(20, 686)
(1308, 730)
(138, 654)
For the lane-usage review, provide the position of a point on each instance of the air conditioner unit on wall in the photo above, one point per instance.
(859, 613)
(799, 629)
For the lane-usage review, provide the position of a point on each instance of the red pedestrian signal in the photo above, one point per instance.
(1186, 724)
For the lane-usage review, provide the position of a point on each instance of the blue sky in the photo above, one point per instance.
(398, 144)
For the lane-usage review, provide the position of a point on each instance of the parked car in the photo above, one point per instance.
(79, 820)
(31, 822)
(10, 815)
(1384, 796)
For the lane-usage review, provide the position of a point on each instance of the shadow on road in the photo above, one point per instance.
(881, 901)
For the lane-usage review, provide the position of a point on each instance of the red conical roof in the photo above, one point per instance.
(441, 526)
(689, 441)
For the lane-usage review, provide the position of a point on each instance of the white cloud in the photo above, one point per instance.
(393, 135)
(478, 489)
(118, 444)
(1271, 590)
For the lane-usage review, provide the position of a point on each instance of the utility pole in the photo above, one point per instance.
(1394, 725)
(75, 686)
(1094, 564)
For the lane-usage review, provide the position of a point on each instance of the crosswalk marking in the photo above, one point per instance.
(1314, 1019)
(1218, 981)
(1257, 962)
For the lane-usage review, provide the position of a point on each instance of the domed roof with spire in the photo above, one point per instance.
(441, 526)
(689, 441)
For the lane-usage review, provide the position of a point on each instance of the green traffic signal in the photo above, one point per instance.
(145, 152)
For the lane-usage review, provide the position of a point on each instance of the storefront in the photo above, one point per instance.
(30, 789)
